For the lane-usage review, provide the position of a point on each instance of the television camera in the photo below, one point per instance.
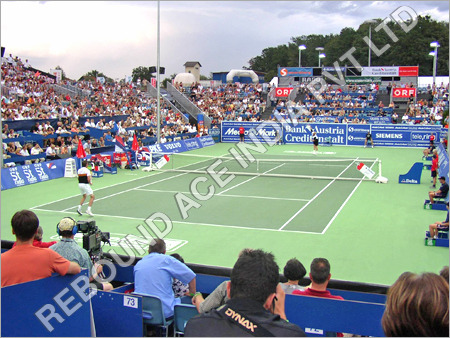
(93, 238)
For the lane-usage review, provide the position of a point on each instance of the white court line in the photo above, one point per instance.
(109, 186)
(241, 196)
(194, 223)
(317, 195)
(345, 202)
(123, 191)
(237, 185)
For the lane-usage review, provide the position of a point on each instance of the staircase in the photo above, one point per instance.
(187, 105)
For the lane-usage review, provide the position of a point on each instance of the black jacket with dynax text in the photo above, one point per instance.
(241, 317)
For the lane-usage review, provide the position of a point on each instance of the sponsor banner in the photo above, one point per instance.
(144, 153)
(262, 130)
(395, 135)
(333, 70)
(443, 161)
(33, 173)
(356, 134)
(283, 91)
(399, 135)
(408, 71)
(309, 79)
(295, 71)
(215, 134)
(325, 119)
(403, 92)
(380, 71)
(362, 79)
(302, 133)
(206, 141)
(379, 120)
(193, 143)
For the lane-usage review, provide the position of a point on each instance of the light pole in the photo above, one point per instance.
(321, 55)
(370, 22)
(300, 48)
(435, 45)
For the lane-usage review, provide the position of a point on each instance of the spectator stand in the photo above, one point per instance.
(119, 313)
(59, 301)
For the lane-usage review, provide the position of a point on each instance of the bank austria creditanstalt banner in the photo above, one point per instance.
(385, 135)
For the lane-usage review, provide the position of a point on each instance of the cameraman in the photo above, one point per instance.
(70, 250)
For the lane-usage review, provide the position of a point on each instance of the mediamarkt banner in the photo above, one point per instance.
(385, 135)
(267, 129)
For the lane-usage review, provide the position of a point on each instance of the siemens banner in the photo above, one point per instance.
(392, 135)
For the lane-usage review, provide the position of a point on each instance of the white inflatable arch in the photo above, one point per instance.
(242, 72)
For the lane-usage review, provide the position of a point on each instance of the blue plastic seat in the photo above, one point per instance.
(153, 313)
(182, 314)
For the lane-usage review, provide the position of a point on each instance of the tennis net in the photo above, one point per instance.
(271, 165)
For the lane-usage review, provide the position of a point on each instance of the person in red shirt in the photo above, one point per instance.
(25, 262)
(434, 167)
(432, 138)
(37, 242)
(241, 134)
(320, 276)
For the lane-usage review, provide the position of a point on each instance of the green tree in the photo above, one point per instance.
(63, 77)
(411, 49)
(168, 79)
(142, 73)
(92, 76)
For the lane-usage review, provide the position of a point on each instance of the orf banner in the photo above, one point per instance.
(403, 92)
(283, 91)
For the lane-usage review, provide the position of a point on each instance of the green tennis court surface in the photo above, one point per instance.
(370, 232)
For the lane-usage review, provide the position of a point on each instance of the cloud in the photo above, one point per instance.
(115, 37)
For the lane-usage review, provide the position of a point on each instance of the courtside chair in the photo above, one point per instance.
(152, 312)
(182, 314)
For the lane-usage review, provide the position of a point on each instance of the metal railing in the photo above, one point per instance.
(191, 108)
(154, 93)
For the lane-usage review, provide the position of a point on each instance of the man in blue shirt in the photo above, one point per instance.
(153, 275)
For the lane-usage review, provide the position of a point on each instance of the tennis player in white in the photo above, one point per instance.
(85, 182)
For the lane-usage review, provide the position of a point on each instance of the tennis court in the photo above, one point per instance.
(370, 232)
(265, 195)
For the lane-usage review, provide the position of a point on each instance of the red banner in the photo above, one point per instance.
(403, 92)
(408, 71)
(283, 91)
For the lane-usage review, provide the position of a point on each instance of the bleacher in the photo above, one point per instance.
(119, 313)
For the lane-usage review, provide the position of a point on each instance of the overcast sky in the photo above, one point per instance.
(115, 37)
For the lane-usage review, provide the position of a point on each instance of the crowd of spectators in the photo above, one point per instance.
(28, 94)
(227, 102)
